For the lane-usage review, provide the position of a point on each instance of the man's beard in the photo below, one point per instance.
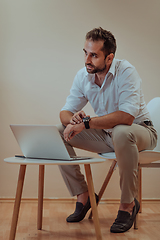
(95, 69)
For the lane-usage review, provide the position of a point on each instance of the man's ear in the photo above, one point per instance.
(110, 58)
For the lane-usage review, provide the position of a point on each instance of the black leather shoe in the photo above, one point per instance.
(124, 220)
(80, 211)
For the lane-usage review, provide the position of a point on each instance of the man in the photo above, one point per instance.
(123, 125)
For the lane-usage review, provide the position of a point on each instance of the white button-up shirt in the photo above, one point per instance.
(121, 90)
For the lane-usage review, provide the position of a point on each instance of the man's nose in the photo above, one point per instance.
(88, 59)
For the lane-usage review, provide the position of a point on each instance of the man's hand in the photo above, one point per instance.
(77, 118)
(75, 126)
(72, 130)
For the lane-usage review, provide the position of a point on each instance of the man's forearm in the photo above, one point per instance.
(111, 120)
(65, 117)
(105, 122)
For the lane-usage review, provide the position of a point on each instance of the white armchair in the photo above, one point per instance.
(147, 158)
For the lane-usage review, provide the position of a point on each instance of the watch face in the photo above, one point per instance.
(86, 122)
(87, 118)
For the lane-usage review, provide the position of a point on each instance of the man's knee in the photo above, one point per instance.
(122, 136)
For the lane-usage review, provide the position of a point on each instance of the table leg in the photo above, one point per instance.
(138, 195)
(105, 184)
(40, 197)
(17, 202)
(93, 201)
(140, 187)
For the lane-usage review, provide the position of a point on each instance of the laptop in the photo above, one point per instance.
(42, 142)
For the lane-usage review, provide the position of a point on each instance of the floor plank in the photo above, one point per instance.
(55, 227)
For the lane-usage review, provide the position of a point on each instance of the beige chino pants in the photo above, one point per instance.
(125, 140)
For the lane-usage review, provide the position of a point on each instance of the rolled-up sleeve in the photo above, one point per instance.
(129, 91)
(76, 100)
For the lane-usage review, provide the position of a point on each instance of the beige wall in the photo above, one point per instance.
(40, 53)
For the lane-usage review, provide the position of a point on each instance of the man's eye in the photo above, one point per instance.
(94, 55)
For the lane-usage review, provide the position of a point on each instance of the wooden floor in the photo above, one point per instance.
(56, 228)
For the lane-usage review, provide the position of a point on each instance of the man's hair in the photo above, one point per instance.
(97, 34)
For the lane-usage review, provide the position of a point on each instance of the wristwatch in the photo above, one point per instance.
(86, 122)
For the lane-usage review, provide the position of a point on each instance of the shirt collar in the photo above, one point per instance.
(111, 71)
(112, 67)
